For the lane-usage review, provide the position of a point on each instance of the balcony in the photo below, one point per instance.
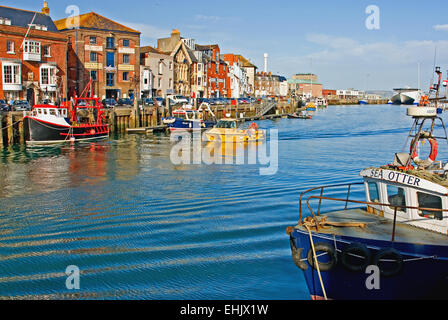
(27, 56)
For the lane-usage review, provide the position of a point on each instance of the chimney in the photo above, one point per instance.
(45, 9)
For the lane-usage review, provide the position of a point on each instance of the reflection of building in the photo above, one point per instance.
(156, 73)
(32, 55)
(105, 51)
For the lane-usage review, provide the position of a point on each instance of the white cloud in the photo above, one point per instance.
(441, 27)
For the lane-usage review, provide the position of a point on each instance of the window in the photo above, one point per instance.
(199, 66)
(171, 83)
(32, 47)
(47, 51)
(110, 59)
(171, 65)
(160, 83)
(396, 196)
(10, 46)
(47, 75)
(110, 43)
(110, 79)
(12, 74)
(93, 57)
(374, 195)
(94, 75)
(126, 59)
(199, 81)
(92, 40)
(430, 202)
(160, 67)
(125, 43)
(125, 76)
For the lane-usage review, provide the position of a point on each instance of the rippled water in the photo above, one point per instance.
(140, 227)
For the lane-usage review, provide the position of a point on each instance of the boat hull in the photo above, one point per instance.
(44, 132)
(422, 276)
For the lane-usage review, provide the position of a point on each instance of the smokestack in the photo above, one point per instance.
(266, 62)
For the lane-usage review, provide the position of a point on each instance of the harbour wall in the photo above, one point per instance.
(14, 130)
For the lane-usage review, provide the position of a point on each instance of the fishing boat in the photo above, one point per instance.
(227, 131)
(189, 119)
(391, 245)
(82, 120)
(363, 102)
(311, 107)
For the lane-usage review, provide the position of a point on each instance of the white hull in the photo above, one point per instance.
(407, 97)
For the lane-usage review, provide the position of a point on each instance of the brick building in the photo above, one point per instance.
(217, 70)
(32, 56)
(268, 84)
(105, 51)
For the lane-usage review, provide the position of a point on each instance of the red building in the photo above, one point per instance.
(327, 92)
(33, 56)
(217, 69)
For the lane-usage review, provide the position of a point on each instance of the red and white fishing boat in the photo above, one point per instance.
(81, 120)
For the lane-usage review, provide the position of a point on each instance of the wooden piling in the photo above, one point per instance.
(10, 129)
(21, 132)
(1, 130)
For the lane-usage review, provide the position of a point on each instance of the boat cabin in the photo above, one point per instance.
(186, 114)
(226, 124)
(413, 191)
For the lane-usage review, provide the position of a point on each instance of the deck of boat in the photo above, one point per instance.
(378, 228)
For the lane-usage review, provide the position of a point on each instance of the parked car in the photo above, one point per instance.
(125, 102)
(4, 106)
(203, 100)
(21, 105)
(109, 103)
(148, 102)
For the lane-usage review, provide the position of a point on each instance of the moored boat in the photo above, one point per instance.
(398, 234)
(227, 131)
(55, 124)
(300, 115)
(189, 119)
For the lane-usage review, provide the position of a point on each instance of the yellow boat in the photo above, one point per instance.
(226, 130)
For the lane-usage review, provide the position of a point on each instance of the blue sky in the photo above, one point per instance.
(326, 37)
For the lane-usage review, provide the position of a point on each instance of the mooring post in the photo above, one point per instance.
(1, 130)
(10, 129)
(21, 132)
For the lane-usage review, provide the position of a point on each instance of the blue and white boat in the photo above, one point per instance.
(363, 101)
(391, 245)
(188, 119)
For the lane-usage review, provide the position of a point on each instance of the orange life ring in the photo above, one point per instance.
(432, 156)
(254, 126)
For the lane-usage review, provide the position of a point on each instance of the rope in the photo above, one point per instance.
(10, 124)
(316, 262)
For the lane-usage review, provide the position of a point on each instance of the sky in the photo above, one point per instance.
(328, 38)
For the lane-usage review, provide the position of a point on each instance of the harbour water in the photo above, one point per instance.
(140, 227)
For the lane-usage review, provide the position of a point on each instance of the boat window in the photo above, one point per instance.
(52, 112)
(374, 194)
(39, 111)
(396, 196)
(431, 202)
(45, 111)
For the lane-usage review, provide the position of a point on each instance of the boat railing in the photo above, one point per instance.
(347, 200)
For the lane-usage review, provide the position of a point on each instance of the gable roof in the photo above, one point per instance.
(150, 49)
(246, 63)
(22, 18)
(95, 21)
(189, 53)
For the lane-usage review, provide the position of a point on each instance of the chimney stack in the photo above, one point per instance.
(45, 9)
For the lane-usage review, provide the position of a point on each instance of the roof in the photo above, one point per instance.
(95, 21)
(300, 81)
(206, 47)
(150, 49)
(246, 63)
(22, 18)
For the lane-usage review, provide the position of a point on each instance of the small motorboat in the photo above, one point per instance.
(189, 119)
(226, 130)
(300, 115)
